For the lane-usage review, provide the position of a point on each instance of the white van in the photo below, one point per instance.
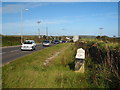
(75, 38)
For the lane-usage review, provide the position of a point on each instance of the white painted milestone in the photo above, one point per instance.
(80, 53)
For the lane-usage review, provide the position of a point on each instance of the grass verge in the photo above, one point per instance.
(29, 71)
(10, 41)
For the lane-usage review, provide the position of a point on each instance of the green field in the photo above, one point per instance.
(30, 71)
(10, 40)
(16, 40)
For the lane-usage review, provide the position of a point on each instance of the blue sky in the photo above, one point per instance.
(62, 18)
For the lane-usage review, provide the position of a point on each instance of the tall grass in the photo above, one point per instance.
(29, 71)
(25, 71)
(10, 40)
(102, 62)
(101, 67)
(102, 44)
(16, 40)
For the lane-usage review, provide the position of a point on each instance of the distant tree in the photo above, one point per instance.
(114, 36)
(79, 37)
(52, 37)
(63, 38)
(44, 37)
(60, 37)
(98, 37)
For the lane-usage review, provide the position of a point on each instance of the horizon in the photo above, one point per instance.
(64, 35)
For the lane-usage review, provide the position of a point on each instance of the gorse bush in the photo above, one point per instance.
(108, 39)
(102, 62)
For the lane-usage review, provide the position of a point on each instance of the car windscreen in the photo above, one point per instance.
(56, 40)
(46, 41)
(28, 42)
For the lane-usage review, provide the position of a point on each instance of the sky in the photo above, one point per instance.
(62, 18)
(60, 0)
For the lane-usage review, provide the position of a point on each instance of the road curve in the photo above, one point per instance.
(12, 53)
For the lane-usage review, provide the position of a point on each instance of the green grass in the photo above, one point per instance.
(101, 63)
(27, 67)
(102, 44)
(63, 76)
(16, 40)
(10, 40)
(29, 71)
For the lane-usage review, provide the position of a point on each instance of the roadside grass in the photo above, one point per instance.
(101, 63)
(101, 44)
(27, 67)
(29, 71)
(62, 69)
(13, 40)
(10, 40)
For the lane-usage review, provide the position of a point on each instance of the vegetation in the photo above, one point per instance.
(16, 40)
(10, 40)
(110, 39)
(29, 71)
(102, 62)
(101, 67)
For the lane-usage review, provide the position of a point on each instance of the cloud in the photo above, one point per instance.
(11, 8)
(31, 25)
(14, 8)
(55, 25)
(61, 0)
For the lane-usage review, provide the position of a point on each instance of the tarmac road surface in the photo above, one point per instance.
(12, 53)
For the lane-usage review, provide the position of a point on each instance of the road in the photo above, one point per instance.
(12, 53)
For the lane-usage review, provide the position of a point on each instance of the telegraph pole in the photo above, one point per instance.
(21, 24)
(39, 28)
(47, 31)
(21, 15)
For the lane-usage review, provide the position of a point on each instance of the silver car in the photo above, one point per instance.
(46, 43)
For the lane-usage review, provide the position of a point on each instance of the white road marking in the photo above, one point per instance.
(3, 53)
(8, 52)
(14, 50)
